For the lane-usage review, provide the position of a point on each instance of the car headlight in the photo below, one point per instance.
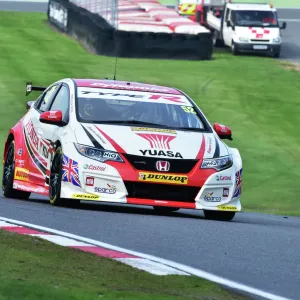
(243, 39)
(219, 164)
(277, 40)
(98, 154)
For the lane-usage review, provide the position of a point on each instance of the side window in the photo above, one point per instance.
(61, 101)
(42, 106)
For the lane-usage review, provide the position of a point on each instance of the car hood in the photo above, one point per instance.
(152, 142)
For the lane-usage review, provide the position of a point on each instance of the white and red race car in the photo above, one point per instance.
(122, 142)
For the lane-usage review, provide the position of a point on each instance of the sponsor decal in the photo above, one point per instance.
(99, 93)
(210, 198)
(39, 145)
(21, 174)
(158, 141)
(189, 109)
(225, 192)
(38, 190)
(223, 178)
(161, 153)
(111, 189)
(209, 163)
(20, 162)
(209, 145)
(70, 171)
(227, 207)
(52, 115)
(96, 134)
(32, 134)
(176, 99)
(166, 178)
(95, 168)
(238, 184)
(161, 130)
(89, 181)
(85, 196)
(163, 166)
(131, 87)
(20, 152)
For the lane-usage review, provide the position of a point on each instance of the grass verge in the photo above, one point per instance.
(39, 270)
(255, 96)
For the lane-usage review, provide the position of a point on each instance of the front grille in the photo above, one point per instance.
(149, 163)
(161, 191)
(264, 41)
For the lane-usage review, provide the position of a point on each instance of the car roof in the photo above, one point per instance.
(125, 85)
(248, 6)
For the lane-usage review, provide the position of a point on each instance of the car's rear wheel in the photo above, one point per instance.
(219, 215)
(164, 209)
(8, 176)
(55, 182)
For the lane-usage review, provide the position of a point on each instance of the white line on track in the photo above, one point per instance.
(178, 266)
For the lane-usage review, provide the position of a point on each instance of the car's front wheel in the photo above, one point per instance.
(8, 176)
(219, 215)
(55, 182)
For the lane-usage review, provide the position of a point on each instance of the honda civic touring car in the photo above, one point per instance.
(122, 142)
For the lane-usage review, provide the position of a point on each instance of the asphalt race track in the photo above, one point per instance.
(254, 249)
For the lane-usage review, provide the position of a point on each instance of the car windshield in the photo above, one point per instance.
(255, 18)
(131, 109)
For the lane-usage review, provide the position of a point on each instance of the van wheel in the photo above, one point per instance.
(234, 49)
(8, 176)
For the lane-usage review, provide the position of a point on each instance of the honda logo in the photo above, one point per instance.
(163, 166)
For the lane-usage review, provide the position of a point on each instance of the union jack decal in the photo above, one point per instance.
(70, 171)
(238, 183)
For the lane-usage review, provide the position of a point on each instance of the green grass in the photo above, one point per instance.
(33, 269)
(276, 3)
(255, 96)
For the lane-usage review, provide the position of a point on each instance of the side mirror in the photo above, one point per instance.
(29, 104)
(53, 117)
(223, 132)
(228, 23)
(283, 25)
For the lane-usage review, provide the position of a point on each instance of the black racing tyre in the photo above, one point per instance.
(55, 182)
(164, 209)
(219, 215)
(8, 176)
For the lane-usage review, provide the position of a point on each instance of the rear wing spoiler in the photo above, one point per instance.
(30, 88)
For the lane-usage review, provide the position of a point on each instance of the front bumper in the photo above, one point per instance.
(258, 48)
(123, 183)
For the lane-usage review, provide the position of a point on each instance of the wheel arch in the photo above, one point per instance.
(9, 139)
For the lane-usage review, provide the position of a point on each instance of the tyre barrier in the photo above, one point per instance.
(99, 36)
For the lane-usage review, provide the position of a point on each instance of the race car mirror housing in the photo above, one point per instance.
(223, 132)
(53, 117)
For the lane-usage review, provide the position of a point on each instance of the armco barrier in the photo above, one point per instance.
(98, 35)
